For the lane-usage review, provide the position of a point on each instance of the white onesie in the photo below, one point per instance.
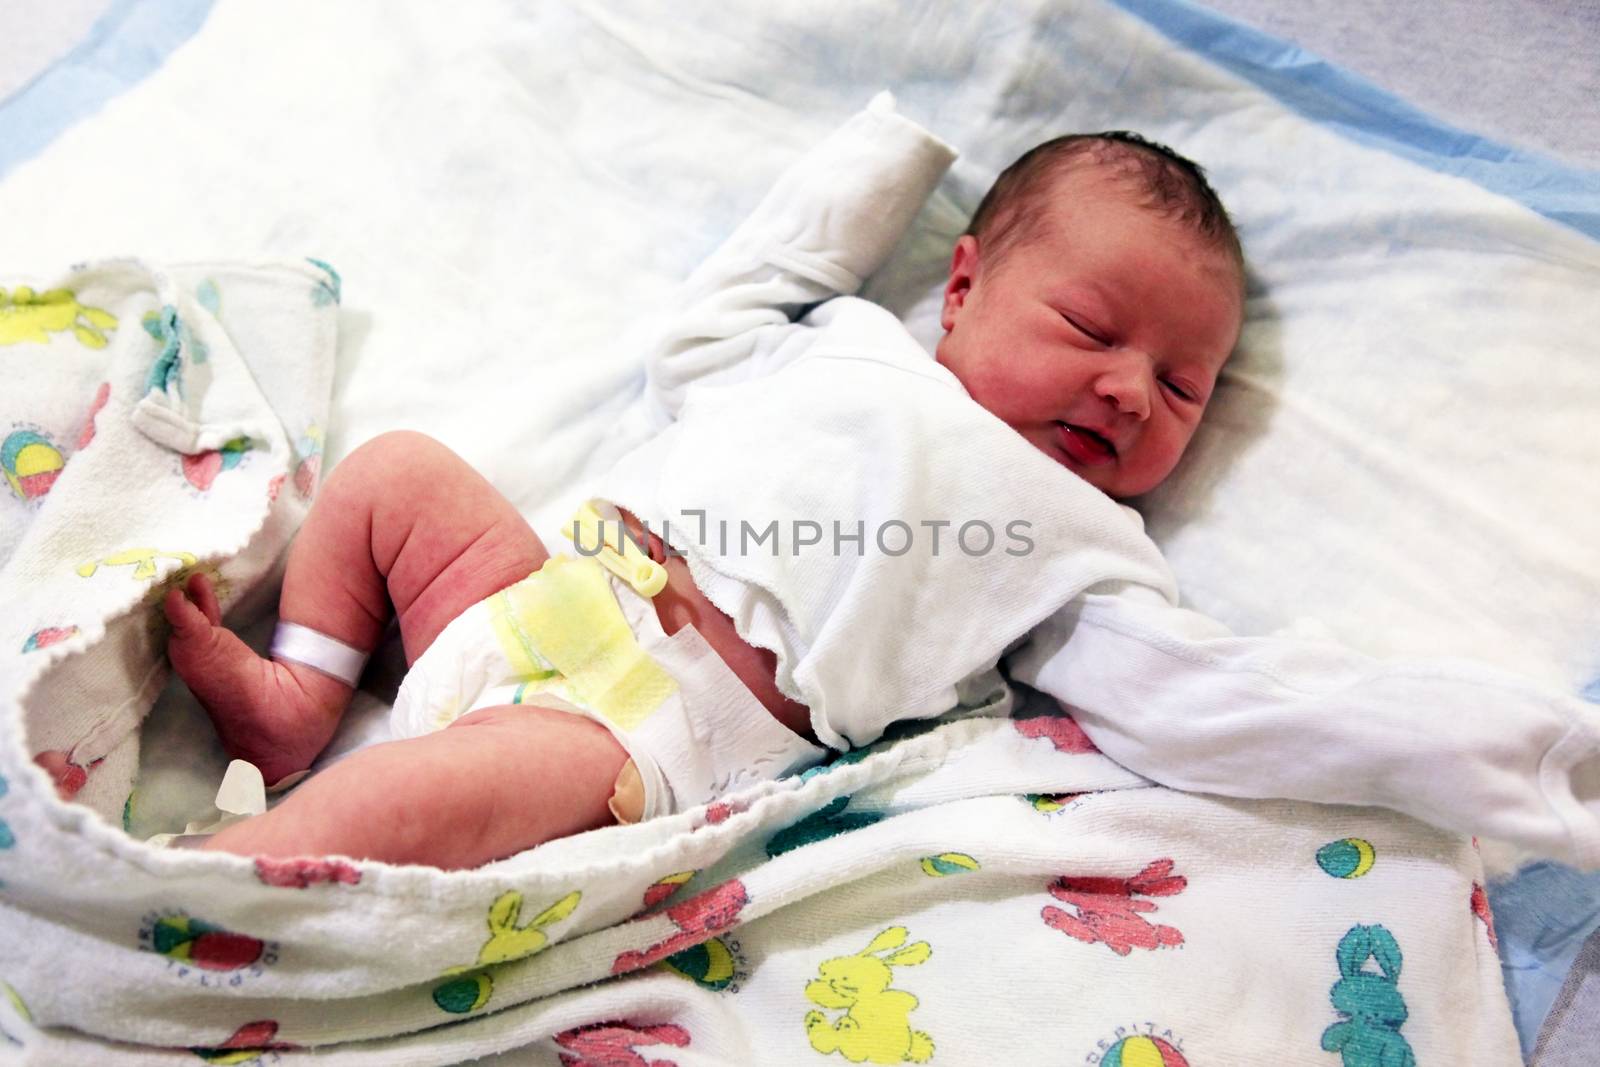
(791, 413)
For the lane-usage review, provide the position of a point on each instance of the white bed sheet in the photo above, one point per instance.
(510, 234)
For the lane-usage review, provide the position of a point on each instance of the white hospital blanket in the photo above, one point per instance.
(916, 905)
(159, 421)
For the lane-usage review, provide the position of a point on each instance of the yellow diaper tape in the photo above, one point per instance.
(616, 552)
(563, 625)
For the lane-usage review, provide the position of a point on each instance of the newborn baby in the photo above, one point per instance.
(1086, 316)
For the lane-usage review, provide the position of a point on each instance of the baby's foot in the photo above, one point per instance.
(277, 716)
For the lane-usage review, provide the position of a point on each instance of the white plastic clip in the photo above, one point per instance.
(616, 552)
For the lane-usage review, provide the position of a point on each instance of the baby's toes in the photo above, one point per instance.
(68, 776)
(187, 620)
(204, 597)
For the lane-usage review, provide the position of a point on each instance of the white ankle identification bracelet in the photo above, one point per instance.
(302, 644)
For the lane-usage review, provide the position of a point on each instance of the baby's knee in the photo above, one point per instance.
(403, 474)
(400, 453)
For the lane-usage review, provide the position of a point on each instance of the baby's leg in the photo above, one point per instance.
(402, 520)
(493, 783)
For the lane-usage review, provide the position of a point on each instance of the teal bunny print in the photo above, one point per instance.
(1373, 1010)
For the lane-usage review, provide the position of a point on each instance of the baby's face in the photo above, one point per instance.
(1099, 338)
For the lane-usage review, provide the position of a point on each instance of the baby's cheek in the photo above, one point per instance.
(1155, 460)
(1174, 441)
(1010, 396)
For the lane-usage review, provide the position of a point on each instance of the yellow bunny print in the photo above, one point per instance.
(470, 987)
(26, 316)
(142, 560)
(875, 1027)
(508, 941)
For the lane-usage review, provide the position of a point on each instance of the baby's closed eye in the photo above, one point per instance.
(1087, 328)
(1181, 390)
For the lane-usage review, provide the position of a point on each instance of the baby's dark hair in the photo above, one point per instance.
(1169, 184)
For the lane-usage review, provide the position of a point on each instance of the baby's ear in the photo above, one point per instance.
(963, 272)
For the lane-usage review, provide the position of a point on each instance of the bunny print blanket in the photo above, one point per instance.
(990, 890)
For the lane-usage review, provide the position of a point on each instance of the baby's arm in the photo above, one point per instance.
(830, 221)
(1176, 697)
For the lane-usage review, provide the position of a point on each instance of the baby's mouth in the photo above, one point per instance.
(1084, 446)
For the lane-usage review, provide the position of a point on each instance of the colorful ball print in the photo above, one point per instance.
(1349, 857)
(202, 469)
(204, 945)
(469, 992)
(1143, 1051)
(245, 1045)
(31, 463)
(665, 887)
(48, 636)
(948, 863)
(709, 964)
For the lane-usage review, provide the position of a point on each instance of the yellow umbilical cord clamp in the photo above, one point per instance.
(616, 553)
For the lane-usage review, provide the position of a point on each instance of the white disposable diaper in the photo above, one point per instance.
(692, 728)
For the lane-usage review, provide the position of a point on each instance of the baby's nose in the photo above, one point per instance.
(1128, 386)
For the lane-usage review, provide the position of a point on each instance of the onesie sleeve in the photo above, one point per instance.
(829, 222)
(1178, 698)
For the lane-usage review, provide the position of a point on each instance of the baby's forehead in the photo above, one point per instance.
(1085, 206)
(1086, 184)
(1074, 204)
